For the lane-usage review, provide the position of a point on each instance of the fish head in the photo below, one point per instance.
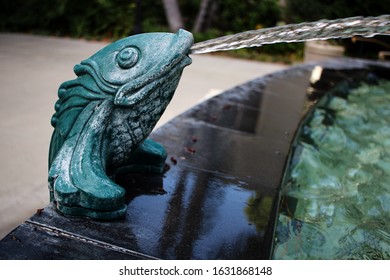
(133, 67)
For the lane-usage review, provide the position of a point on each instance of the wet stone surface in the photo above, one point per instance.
(215, 201)
(219, 195)
(32, 241)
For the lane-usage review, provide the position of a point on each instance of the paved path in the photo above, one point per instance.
(32, 68)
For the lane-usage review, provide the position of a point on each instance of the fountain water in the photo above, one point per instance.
(308, 31)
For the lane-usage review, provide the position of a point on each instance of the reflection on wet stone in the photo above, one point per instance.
(200, 214)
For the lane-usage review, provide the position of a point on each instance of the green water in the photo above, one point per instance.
(336, 193)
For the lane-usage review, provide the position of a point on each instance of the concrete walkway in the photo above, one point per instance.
(32, 68)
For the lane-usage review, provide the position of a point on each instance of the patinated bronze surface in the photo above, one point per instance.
(103, 117)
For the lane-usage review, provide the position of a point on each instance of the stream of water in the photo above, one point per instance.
(319, 30)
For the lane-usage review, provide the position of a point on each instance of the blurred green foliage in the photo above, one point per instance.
(313, 10)
(68, 17)
(113, 19)
(237, 16)
(117, 18)
(286, 53)
(89, 19)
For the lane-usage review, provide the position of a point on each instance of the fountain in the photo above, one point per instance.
(219, 194)
(307, 31)
(96, 137)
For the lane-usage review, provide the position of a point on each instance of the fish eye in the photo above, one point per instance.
(127, 57)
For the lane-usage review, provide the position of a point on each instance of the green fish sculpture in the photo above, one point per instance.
(103, 117)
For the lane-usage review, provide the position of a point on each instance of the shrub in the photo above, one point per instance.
(312, 10)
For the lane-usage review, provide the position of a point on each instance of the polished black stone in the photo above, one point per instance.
(42, 242)
(219, 196)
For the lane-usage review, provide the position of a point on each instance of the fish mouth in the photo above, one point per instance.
(136, 91)
(185, 42)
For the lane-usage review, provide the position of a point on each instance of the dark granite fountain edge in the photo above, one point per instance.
(24, 241)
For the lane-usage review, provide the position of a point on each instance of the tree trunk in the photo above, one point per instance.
(211, 14)
(200, 18)
(173, 14)
(138, 17)
(206, 15)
